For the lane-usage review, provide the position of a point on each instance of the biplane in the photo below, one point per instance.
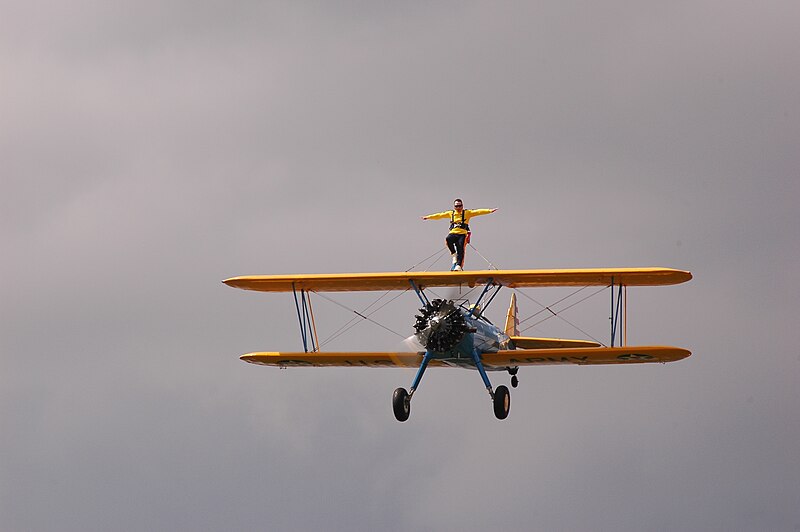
(457, 334)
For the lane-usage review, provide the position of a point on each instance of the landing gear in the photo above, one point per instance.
(502, 402)
(401, 404)
(501, 398)
(401, 400)
(514, 379)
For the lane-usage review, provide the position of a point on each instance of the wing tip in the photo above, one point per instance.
(258, 358)
(232, 282)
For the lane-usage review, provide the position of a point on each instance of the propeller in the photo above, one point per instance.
(412, 343)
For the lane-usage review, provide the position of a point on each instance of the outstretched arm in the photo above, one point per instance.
(480, 212)
(438, 215)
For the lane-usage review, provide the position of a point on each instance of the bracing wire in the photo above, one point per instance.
(350, 324)
(363, 313)
(359, 315)
(548, 308)
(438, 254)
(545, 308)
(491, 266)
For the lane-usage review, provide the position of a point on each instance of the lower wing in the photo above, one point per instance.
(317, 359)
(585, 356)
(497, 360)
(527, 342)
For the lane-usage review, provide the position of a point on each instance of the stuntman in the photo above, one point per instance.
(459, 229)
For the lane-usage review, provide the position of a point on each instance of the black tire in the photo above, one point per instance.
(514, 381)
(401, 404)
(502, 402)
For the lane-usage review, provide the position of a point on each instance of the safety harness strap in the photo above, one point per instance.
(462, 224)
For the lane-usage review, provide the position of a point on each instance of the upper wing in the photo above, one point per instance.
(346, 282)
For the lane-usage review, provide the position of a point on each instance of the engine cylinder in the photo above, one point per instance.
(440, 326)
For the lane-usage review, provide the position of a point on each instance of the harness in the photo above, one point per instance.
(462, 224)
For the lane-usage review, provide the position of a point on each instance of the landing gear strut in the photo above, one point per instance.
(501, 398)
(401, 399)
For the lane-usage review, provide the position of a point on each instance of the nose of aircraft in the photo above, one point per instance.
(440, 326)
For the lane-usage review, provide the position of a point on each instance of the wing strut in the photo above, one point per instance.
(305, 316)
(619, 314)
(489, 284)
(497, 290)
(420, 294)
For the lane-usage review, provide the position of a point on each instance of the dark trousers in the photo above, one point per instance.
(455, 243)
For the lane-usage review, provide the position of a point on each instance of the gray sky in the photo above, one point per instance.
(150, 150)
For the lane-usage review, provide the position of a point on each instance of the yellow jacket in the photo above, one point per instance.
(464, 217)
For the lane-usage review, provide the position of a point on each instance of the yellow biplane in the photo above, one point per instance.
(456, 334)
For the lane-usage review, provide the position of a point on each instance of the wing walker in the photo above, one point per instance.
(456, 334)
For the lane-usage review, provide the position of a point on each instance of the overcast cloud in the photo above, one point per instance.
(151, 149)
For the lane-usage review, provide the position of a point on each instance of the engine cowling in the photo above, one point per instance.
(440, 326)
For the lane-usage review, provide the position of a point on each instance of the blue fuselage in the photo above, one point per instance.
(483, 337)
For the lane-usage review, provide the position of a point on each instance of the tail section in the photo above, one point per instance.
(512, 322)
(527, 342)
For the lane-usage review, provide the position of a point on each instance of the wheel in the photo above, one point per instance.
(502, 402)
(401, 404)
(514, 381)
